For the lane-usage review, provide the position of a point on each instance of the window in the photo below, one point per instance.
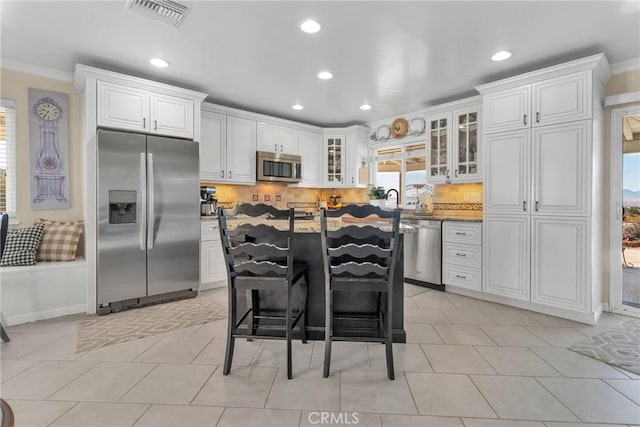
(403, 168)
(8, 157)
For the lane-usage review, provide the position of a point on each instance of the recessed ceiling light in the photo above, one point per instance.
(157, 62)
(501, 55)
(325, 75)
(365, 107)
(310, 26)
(297, 107)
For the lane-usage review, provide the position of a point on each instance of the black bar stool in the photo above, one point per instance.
(260, 261)
(360, 258)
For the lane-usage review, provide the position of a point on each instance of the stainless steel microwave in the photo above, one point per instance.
(278, 167)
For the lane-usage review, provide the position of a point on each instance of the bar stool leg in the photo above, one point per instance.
(231, 330)
(303, 312)
(328, 332)
(289, 323)
(389, 343)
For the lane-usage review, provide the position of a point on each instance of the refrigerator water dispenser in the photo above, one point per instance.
(122, 207)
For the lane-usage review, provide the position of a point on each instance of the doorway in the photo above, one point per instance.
(625, 225)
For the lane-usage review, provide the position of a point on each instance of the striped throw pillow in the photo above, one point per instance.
(60, 240)
(21, 246)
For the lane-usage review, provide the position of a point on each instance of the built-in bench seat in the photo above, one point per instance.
(43, 291)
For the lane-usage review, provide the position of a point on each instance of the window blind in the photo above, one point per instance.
(8, 157)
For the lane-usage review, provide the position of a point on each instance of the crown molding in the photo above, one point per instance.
(598, 63)
(36, 70)
(632, 64)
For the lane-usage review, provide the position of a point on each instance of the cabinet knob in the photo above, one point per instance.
(459, 276)
(537, 117)
(229, 174)
(460, 233)
(455, 173)
(525, 119)
(276, 147)
(281, 148)
(524, 205)
(353, 180)
(537, 202)
(222, 173)
(144, 123)
(459, 254)
(155, 125)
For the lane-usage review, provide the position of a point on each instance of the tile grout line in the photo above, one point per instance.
(558, 399)
(142, 414)
(275, 378)
(604, 380)
(64, 413)
(221, 415)
(413, 398)
(427, 357)
(483, 396)
(21, 372)
(138, 382)
(201, 350)
(73, 379)
(203, 384)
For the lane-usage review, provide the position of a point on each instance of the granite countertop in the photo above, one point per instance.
(427, 217)
(313, 225)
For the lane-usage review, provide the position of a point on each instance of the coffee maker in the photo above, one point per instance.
(208, 201)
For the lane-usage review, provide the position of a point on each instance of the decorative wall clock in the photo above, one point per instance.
(49, 146)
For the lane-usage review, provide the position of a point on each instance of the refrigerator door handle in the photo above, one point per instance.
(142, 221)
(152, 202)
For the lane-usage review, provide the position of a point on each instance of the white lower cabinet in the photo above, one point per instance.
(559, 262)
(212, 267)
(506, 262)
(462, 255)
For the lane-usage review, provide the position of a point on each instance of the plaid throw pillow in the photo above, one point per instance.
(21, 246)
(60, 240)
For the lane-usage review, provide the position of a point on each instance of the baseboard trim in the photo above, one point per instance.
(18, 319)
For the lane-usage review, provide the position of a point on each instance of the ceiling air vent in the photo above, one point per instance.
(165, 11)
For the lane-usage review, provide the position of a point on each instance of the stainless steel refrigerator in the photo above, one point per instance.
(148, 219)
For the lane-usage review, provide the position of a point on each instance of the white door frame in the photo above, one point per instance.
(615, 190)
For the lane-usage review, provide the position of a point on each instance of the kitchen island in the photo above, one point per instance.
(307, 248)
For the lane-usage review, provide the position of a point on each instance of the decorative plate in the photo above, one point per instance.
(399, 127)
(417, 126)
(383, 133)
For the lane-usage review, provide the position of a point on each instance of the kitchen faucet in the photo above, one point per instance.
(386, 196)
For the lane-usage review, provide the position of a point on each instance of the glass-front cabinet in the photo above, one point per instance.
(334, 157)
(439, 143)
(453, 145)
(466, 161)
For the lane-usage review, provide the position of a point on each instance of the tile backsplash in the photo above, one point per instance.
(458, 200)
(279, 194)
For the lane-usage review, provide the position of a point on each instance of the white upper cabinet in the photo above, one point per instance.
(213, 146)
(241, 151)
(171, 116)
(562, 169)
(311, 149)
(277, 139)
(556, 100)
(334, 160)
(507, 173)
(453, 144)
(122, 107)
(507, 110)
(357, 143)
(128, 108)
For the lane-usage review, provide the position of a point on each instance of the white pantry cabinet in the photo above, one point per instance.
(556, 100)
(357, 145)
(129, 108)
(213, 146)
(544, 178)
(277, 139)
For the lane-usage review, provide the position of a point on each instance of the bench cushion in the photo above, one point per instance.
(21, 246)
(59, 240)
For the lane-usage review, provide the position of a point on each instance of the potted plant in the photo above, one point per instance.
(377, 195)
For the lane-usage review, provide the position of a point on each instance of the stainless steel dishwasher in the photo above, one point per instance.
(423, 254)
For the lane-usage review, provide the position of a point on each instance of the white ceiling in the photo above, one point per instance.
(397, 56)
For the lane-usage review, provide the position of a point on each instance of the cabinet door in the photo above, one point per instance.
(122, 107)
(563, 99)
(465, 153)
(559, 262)
(241, 150)
(212, 266)
(311, 153)
(507, 170)
(505, 256)
(213, 147)
(562, 169)
(287, 140)
(438, 168)
(334, 157)
(267, 138)
(507, 110)
(171, 116)
(357, 150)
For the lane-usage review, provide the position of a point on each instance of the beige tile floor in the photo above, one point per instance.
(466, 363)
